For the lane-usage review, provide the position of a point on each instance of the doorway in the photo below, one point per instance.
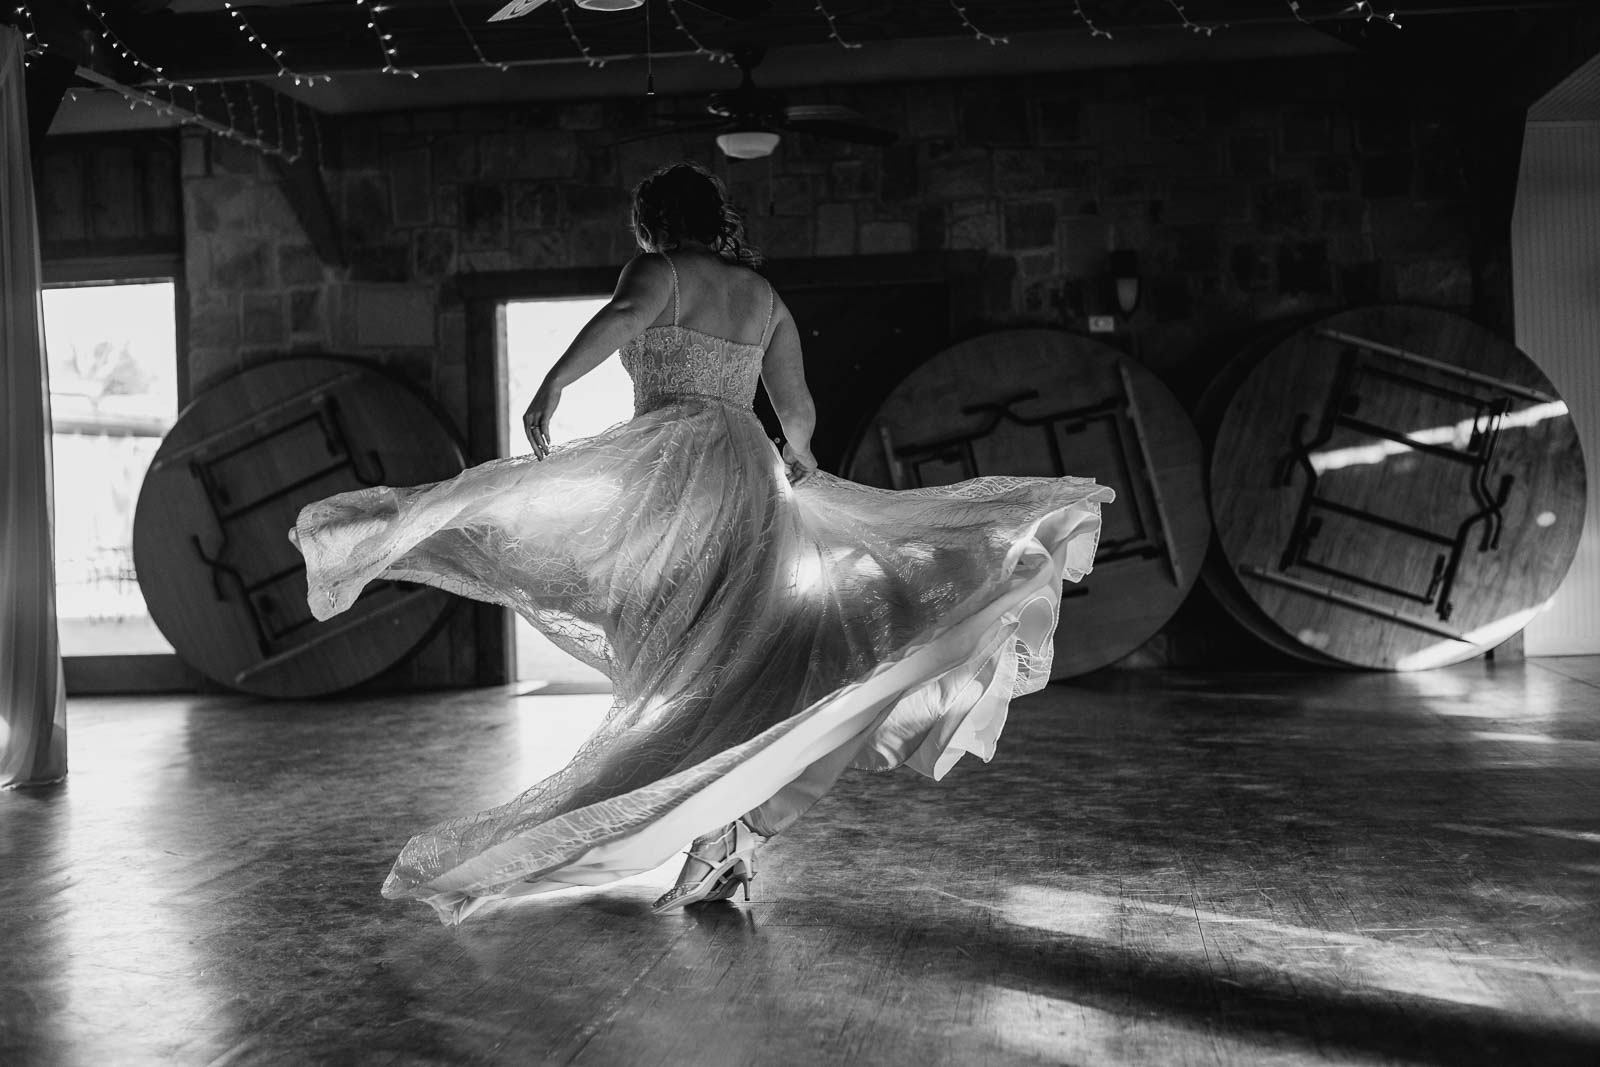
(536, 333)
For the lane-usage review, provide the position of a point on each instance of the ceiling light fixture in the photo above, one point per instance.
(747, 144)
(610, 5)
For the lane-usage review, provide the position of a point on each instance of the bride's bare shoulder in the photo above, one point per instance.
(647, 261)
(648, 269)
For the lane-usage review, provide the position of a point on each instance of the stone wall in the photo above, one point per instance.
(1253, 194)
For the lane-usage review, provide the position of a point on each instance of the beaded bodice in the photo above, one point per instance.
(668, 362)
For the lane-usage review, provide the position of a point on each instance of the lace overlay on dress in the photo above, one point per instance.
(666, 362)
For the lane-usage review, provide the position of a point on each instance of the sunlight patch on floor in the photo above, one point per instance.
(1259, 951)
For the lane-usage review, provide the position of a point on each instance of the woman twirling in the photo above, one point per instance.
(765, 624)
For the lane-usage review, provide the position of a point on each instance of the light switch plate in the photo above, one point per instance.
(1102, 324)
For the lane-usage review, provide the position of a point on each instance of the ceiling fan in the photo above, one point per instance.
(749, 121)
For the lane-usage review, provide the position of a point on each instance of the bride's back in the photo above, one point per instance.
(718, 298)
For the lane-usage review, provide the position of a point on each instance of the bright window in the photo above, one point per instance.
(112, 350)
(537, 332)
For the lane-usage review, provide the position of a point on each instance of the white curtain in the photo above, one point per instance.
(33, 711)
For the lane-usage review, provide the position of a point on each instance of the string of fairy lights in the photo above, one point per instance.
(391, 63)
(715, 55)
(589, 57)
(1083, 17)
(275, 54)
(30, 32)
(165, 98)
(120, 48)
(1363, 9)
(969, 26)
(833, 27)
(472, 39)
(1371, 14)
(1199, 29)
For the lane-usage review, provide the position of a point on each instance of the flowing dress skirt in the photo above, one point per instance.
(760, 638)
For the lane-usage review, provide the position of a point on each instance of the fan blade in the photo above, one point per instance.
(516, 9)
(697, 120)
(820, 112)
(842, 131)
(733, 10)
(666, 131)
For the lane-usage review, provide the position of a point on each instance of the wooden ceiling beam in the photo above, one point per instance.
(302, 185)
(249, 112)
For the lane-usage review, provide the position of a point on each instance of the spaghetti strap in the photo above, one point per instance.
(772, 305)
(674, 269)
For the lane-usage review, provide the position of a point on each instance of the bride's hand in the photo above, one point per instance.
(536, 420)
(799, 463)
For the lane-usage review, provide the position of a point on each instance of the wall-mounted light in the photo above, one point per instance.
(1124, 267)
(747, 144)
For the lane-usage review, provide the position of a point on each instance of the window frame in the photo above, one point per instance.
(130, 673)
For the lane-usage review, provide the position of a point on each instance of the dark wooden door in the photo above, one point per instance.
(862, 334)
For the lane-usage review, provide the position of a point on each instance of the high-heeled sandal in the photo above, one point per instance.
(732, 872)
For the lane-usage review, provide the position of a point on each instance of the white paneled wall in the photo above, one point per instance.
(1555, 235)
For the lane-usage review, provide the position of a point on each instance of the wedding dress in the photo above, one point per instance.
(760, 637)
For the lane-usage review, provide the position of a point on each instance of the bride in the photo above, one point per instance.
(765, 625)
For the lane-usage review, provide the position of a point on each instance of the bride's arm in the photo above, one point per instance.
(783, 372)
(643, 289)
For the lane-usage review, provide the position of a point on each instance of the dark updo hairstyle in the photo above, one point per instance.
(684, 201)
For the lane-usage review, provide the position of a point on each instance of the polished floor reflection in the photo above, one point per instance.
(1158, 868)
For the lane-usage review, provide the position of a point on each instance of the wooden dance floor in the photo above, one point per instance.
(1157, 869)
